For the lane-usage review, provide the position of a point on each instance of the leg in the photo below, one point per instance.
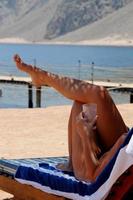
(77, 108)
(83, 154)
(68, 165)
(110, 124)
(76, 144)
(86, 165)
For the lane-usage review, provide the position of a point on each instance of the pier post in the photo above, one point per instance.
(79, 62)
(131, 97)
(38, 97)
(92, 72)
(30, 96)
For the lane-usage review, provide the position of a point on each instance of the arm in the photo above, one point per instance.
(90, 149)
(93, 166)
(108, 155)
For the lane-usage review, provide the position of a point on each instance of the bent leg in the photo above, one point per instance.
(86, 165)
(67, 166)
(84, 160)
(75, 141)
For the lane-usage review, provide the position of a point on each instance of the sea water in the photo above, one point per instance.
(106, 63)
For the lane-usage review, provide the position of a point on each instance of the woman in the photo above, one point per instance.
(92, 141)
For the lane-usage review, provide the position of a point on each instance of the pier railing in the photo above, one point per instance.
(111, 86)
(23, 81)
(114, 78)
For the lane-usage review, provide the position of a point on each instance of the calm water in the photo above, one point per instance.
(110, 63)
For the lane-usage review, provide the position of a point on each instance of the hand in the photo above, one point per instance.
(82, 122)
(88, 128)
(91, 123)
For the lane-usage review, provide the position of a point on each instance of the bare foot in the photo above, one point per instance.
(66, 166)
(22, 66)
(37, 75)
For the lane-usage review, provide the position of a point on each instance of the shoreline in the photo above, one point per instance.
(99, 42)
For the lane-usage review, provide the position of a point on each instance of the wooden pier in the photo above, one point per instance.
(24, 81)
(111, 86)
(117, 86)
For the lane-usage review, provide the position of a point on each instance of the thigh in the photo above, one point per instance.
(77, 148)
(110, 125)
(83, 152)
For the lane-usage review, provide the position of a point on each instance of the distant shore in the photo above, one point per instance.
(99, 42)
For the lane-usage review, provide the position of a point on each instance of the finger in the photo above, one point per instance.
(78, 118)
(94, 128)
(94, 120)
(84, 116)
(98, 150)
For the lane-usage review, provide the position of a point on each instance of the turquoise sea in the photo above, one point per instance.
(82, 62)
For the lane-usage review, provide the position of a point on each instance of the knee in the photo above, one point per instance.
(77, 105)
(76, 110)
(102, 93)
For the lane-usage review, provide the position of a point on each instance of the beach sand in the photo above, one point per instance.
(39, 132)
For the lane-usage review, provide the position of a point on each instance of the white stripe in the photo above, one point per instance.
(123, 162)
(130, 146)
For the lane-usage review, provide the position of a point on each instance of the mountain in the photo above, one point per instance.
(65, 20)
(74, 14)
(116, 28)
(26, 19)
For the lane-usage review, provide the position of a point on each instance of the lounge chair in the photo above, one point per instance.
(38, 179)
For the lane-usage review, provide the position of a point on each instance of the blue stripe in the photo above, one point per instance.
(65, 185)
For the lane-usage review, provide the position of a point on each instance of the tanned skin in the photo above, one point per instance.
(91, 143)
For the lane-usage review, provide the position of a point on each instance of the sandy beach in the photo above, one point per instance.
(39, 132)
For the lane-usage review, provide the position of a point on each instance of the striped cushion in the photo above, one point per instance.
(45, 176)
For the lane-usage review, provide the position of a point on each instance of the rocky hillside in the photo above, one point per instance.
(115, 28)
(26, 19)
(74, 14)
(39, 20)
